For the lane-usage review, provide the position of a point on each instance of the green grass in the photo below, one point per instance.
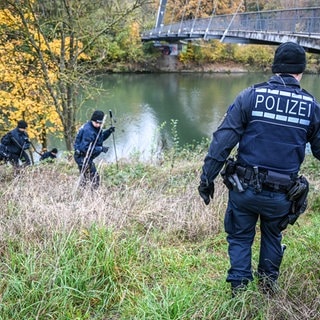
(143, 246)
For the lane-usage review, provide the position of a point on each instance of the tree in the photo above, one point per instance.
(178, 10)
(22, 95)
(55, 36)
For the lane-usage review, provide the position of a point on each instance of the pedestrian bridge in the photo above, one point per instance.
(301, 25)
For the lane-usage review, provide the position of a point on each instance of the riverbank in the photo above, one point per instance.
(172, 64)
(169, 64)
(143, 246)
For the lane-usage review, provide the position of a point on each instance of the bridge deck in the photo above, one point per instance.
(301, 25)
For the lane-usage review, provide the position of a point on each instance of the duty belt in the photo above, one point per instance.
(262, 179)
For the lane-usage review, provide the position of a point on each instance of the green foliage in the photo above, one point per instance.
(128, 175)
(175, 142)
(97, 273)
(214, 51)
(149, 49)
(114, 52)
(312, 166)
(80, 270)
(260, 56)
(155, 152)
(192, 53)
(187, 54)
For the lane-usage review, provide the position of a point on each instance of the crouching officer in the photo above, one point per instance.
(88, 145)
(271, 122)
(14, 145)
(49, 156)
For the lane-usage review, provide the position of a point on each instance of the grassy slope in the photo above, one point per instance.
(143, 246)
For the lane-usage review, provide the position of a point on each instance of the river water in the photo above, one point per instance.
(148, 108)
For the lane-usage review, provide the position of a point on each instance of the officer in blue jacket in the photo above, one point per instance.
(15, 143)
(88, 145)
(271, 122)
(49, 156)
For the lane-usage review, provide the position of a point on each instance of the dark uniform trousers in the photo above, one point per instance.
(240, 225)
(88, 171)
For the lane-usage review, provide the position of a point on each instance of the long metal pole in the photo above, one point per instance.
(113, 138)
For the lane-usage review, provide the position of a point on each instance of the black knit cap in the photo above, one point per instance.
(54, 150)
(22, 124)
(97, 116)
(289, 57)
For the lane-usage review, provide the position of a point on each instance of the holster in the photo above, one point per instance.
(230, 177)
(298, 194)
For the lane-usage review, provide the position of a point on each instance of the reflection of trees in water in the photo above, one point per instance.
(139, 137)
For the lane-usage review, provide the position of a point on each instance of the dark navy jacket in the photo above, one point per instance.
(272, 122)
(48, 155)
(87, 137)
(16, 142)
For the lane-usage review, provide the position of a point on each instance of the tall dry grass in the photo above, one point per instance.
(44, 199)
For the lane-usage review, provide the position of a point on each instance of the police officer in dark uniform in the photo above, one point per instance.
(88, 145)
(271, 122)
(49, 156)
(15, 143)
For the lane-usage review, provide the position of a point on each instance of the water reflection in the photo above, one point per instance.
(143, 103)
(138, 136)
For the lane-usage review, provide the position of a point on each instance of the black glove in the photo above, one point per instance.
(111, 129)
(105, 149)
(26, 144)
(206, 191)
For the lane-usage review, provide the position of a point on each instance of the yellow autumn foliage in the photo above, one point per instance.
(23, 91)
(55, 47)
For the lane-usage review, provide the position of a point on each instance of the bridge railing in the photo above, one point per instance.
(300, 20)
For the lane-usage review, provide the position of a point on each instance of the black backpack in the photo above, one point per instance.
(6, 139)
